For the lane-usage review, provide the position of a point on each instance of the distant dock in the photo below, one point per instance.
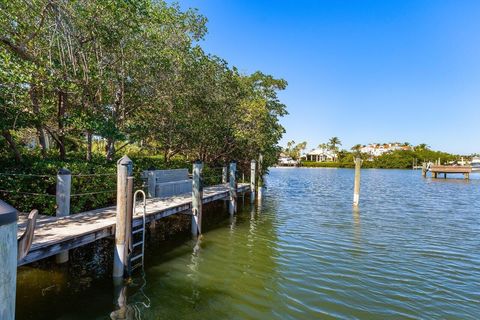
(437, 170)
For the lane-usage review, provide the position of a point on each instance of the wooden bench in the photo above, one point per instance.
(167, 183)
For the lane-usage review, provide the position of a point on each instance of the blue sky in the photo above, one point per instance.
(365, 71)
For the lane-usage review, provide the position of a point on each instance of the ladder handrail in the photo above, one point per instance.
(143, 216)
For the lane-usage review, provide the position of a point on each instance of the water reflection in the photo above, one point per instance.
(357, 228)
(409, 251)
(122, 310)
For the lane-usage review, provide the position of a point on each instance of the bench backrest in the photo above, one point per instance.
(171, 175)
(167, 183)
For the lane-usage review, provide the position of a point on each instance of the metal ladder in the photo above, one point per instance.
(138, 236)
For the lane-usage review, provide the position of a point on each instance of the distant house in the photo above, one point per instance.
(376, 150)
(321, 155)
(285, 161)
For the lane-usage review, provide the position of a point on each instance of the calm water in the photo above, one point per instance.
(411, 251)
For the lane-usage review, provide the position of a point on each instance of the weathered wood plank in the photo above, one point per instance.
(56, 234)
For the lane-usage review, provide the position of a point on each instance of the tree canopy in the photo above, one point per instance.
(77, 73)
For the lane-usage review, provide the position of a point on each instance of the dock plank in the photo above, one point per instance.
(54, 235)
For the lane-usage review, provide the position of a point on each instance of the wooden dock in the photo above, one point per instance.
(439, 169)
(57, 234)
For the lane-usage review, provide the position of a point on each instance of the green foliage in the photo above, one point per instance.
(399, 159)
(95, 79)
(32, 184)
(294, 150)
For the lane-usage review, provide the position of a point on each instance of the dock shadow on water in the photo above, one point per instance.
(409, 251)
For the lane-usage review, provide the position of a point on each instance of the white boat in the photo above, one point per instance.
(475, 163)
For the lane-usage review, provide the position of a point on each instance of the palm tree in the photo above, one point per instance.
(356, 147)
(322, 146)
(334, 142)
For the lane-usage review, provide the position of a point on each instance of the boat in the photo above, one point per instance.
(475, 163)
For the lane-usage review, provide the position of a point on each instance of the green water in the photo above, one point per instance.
(411, 251)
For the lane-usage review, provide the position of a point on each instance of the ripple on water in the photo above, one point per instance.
(410, 251)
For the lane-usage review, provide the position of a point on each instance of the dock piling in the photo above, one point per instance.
(253, 178)
(124, 170)
(260, 177)
(356, 186)
(197, 195)
(63, 191)
(424, 170)
(8, 262)
(232, 208)
(129, 218)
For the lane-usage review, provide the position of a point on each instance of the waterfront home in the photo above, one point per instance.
(377, 149)
(321, 155)
(287, 161)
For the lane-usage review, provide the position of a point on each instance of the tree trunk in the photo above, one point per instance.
(89, 145)
(110, 148)
(13, 146)
(62, 107)
(41, 134)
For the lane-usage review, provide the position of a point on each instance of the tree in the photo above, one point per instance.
(323, 146)
(334, 142)
(294, 150)
(422, 146)
(356, 148)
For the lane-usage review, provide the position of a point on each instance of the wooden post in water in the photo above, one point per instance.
(232, 207)
(356, 186)
(124, 170)
(197, 195)
(129, 218)
(64, 187)
(8, 261)
(260, 177)
(253, 178)
(424, 170)
(224, 174)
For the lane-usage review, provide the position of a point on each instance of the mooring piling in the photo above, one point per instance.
(8, 261)
(260, 177)
(424, 170)
(356, 185)
(197, 195)
(63, 191)
(253, 179)
(124, 170)
(129, 217)
(232, 208)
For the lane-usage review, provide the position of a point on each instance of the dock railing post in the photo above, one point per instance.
(151, 181)
(63, 191)
(356, 186)
(253, 180)
(232, 208)
(224, 174)
(124, 170)
(8, 261)
(197, 195)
